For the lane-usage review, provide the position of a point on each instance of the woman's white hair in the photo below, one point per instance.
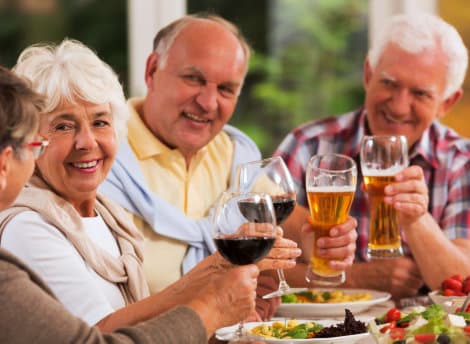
(420, 32)
(69, 72)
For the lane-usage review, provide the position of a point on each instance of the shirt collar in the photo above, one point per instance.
(422, 149)
(360, 129)
(144, 143)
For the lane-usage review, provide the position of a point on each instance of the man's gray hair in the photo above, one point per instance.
(421, 32)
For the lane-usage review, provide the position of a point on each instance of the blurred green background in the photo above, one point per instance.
(307, 61)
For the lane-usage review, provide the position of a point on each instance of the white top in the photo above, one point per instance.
(46, 250)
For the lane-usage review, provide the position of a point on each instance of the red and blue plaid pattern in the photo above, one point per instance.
(443, 155)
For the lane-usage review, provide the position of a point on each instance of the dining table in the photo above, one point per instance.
(366, 316)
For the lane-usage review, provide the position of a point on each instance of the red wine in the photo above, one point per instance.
(283, 208)
(253, 211)
(245, 250)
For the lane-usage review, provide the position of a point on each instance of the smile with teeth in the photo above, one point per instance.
(195, 118)
(394, 120)
(89, 164)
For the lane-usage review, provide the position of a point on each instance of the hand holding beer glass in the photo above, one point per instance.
(330, 183)
(382, 157)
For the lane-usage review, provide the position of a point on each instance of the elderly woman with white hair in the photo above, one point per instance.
(84, 246)
(31, 314)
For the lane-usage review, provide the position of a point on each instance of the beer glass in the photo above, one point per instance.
(330, 184)
(382, 157)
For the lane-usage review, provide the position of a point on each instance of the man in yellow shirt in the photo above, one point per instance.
(181, 154)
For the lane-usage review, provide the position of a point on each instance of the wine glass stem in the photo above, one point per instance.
(240, 330)
(283, 286)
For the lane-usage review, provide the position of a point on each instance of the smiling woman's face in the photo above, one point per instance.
(81, 151)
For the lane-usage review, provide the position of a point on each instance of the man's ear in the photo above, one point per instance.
(450, 102)
(6, 156)
(150, 67)
(367, 73)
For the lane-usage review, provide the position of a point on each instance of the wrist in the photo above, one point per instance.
(208, 316)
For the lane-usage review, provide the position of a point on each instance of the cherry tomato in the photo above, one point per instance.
(397, 333)
(450, 283)
(390, 326)
(425, 337)
(466, 286)
(467, 329)
(448, 292)
(457, 277)
(393, 314)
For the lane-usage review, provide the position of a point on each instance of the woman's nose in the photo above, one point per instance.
(85, 138)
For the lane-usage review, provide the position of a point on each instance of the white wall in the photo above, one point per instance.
(145, 18)
(381, 10)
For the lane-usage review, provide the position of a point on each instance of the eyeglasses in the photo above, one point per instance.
(38, 147)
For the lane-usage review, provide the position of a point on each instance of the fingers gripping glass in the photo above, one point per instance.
(244, 231)
(271, 176)
(38, 147)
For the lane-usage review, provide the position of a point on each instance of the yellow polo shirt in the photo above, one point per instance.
(193, 190)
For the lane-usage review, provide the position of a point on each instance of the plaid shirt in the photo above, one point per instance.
(443, 155)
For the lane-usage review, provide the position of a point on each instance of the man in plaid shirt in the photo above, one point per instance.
(412, 77)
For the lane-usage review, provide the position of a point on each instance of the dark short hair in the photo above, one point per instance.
(20, 108)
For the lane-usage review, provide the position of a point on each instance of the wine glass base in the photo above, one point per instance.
(384, 253)
(325, 281)
(244, 338)
(280, 292)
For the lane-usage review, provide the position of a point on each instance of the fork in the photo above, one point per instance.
(465, 303)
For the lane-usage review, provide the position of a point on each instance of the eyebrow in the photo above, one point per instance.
(71, 116)
(196, 70)
(427, 89)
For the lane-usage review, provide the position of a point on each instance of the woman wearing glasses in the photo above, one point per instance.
(84, 246)
(29, 313)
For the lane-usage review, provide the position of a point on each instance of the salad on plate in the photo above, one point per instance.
(421, 325)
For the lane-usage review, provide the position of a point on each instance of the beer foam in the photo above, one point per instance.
(332, 188)
(387, 172)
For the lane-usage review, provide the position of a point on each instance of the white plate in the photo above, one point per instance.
(322, 310)
(450, 303)
(226, 333)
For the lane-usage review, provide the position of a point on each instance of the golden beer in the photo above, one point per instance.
(329, 206)
(384, 233)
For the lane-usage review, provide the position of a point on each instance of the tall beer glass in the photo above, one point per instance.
(382, 157)
(330, 183)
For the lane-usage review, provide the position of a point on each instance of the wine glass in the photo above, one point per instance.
(244, 231)
(271, 176)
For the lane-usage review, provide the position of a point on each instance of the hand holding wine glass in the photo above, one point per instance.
(244, 231)
(271, 176)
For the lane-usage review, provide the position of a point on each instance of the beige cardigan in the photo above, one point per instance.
(125, 271)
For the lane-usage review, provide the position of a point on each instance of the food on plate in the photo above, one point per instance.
(452, 293)
(289, 329)
(293, 329)
(325, 296)
(455, 285)
(348, 327)
(421, 325)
